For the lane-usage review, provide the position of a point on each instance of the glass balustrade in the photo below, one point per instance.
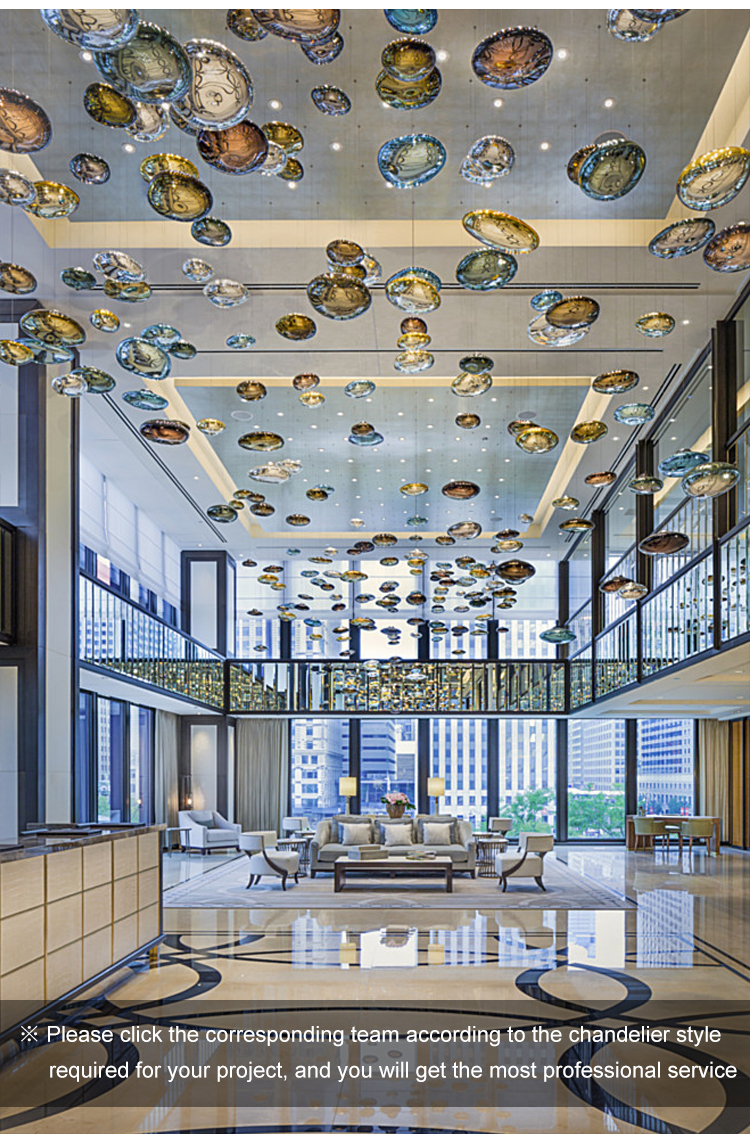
(118, 636)
(617, 656)
(678, 621)
(735, 589)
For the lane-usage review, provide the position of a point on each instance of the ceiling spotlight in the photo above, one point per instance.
(609, 102)
(497, 102)
(275, 104)
(686, 321)
(336, 146)
(86, 56)
(562, 53)
(544, 146)
(128, 148)
(441, 55)
(292, 185)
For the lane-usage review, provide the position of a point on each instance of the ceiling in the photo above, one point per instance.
(681, 94)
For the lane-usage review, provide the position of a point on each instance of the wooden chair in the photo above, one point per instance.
(697, 829)
(648, 828)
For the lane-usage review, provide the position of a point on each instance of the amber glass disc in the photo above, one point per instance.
(52, 328)
(460, 489)
(251, 390)
(261, 441)
(409, 95)
(512, 58)
(234, 150)
(160, 164)
(165, 432)
(24, 125)
(408, 59)
(15, 279)
(537, 439)
(296, 327)
(465, 530)
(304, 381)
(127, 291)
(222, 513)
(573, 313)
(108, 106)
(311, 400)
(304, 25)
(415, 488)
(567, 503)
(344, 252)
(599, 479)
(728, 252)
(468, 421)
(14, 353)
(292, 171)
(52, 200)
(298, 520)
(316, 494)
(655, 324)
(262, 509)
(576, 524)
(284, 135)
(516, 571)
(618, 381)
(180, 197)
(664, 543)
(501, 231)
(586, 432)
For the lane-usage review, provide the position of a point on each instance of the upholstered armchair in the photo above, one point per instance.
(266, 860)
(209, 830)
(500, 825)
(296, 825)
(527, 860)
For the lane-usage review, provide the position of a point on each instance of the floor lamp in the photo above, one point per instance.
(436, 789)
(348, 789)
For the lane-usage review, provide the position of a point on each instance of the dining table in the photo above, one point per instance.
(669, 819)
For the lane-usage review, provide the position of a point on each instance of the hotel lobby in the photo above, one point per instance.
(321, 812)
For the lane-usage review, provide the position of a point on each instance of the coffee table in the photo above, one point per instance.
(436, 866)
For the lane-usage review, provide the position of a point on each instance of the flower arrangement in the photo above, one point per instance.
(396, 803)
(396, 799)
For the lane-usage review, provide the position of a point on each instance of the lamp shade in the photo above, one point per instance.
(435, 787)
(348, 787)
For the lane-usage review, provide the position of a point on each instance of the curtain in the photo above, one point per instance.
(713, 770)
(261, 772)
(166, 776)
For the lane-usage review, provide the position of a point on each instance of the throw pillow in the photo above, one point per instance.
(443, 819)
(398, 833)
(355, 833)
(437, 833)
(337, 833)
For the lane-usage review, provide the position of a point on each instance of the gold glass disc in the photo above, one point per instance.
(154, 165)
(178, 196)
(586, 432)
(416, 488)
(296, 327)
(52, 200)
(501, 231)
(618, 381)
(261, 441)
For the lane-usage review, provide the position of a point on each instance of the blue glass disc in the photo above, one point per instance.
(542, 302)
(411, 160)
(145, 399)
(240, 341)
(211, 232)
(635, 414)
(683, 237)
(358, 389)
(682, 462)
(486, 269)
(414, 21)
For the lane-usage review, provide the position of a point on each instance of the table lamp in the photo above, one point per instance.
(436, 789)
(348, 789)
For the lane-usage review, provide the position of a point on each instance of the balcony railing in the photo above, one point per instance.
(694, 518)
(403, 687)
(735, 587)
(617, 656)
(117, 635)
(677, 622)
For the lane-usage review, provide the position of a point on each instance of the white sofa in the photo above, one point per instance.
(326, 845)
(210, 830)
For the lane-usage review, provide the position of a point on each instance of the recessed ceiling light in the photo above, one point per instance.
(544, 146)
(86, 56)
(128, 148)
(609, 102)
(292, 185)
(336, 146)
(275, 104)
(686, 321)
(339, 414)
(615, 438)
(126, 325)
(279, 414)
(562, 53)
(673, 438)
(442, 55)
(196, 478)
(497, 102)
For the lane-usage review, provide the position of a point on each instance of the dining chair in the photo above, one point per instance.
(646, 828)
(697, 829)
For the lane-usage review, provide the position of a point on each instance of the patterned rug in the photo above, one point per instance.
(224, 888)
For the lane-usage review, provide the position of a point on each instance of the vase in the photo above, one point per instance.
(395, 809)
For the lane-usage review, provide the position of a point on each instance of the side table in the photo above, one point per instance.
(487, 851)
(169, 837)
(302, 846)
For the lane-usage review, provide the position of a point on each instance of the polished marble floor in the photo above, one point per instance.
(687, 944)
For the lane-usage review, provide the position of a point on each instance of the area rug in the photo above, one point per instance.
(224, 888)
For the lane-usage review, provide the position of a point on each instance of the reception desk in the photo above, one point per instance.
(72, 908)
(671, 819)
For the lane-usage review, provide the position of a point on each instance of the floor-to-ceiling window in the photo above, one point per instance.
(320, 756)
(458, 753)
(596, 777)
(526, 764)
(140, 784)
(666, 765)
(111, 759)
(388, 761)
